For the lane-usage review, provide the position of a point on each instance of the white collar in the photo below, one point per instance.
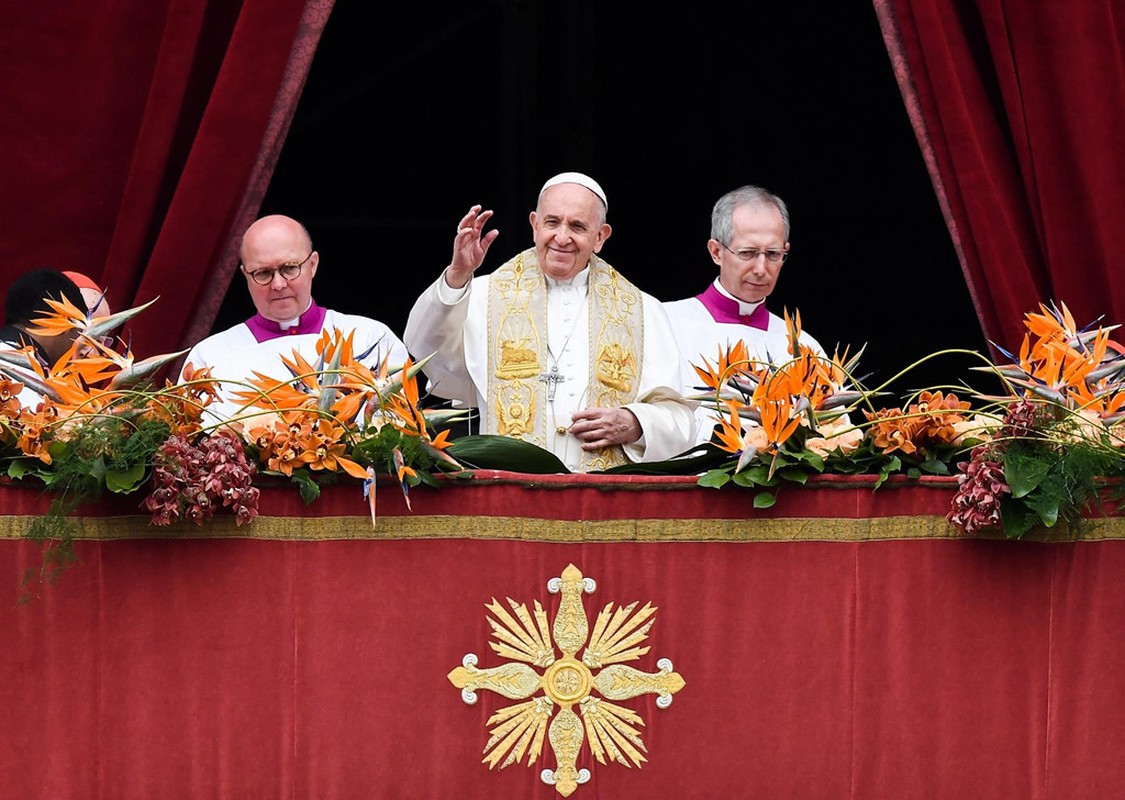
(579, 281)
(744, 309)
(286, 324)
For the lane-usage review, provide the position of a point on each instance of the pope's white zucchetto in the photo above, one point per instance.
(581, 180)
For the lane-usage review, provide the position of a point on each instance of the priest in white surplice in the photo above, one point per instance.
(749, 244)
(279, 263)
(555, 347)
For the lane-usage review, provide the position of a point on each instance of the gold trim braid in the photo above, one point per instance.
(499, 527)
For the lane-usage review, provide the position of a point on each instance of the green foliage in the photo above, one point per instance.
(378, 450)
(1052, 484)
(489, 451)
(100, 453)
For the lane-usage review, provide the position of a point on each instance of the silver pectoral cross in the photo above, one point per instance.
(552, 379)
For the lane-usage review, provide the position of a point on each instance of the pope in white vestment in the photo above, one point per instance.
(555, 343)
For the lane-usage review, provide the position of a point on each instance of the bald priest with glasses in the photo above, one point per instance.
(279, 264)
(750, 244)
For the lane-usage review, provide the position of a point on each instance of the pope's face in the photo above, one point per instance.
(756, 228)
(269, 244)
(568, 227)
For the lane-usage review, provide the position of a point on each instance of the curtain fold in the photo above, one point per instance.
(1017, 109)
(154, 128)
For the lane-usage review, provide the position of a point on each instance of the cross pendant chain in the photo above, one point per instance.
(552, 379)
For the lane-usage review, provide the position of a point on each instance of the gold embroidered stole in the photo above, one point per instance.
(517, 336)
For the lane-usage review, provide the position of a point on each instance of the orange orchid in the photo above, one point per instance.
(35, 431)
(892, 430)
(10, 398)
(937, 417)
(300, 438)
(326, 449)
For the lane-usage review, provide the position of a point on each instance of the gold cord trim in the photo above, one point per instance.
(789, 529)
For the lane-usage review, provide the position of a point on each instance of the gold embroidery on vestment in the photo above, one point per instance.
(517, 335)
(515, 409)
(516, 361)
(615, 368)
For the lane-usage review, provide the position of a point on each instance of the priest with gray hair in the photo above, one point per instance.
(555, 347)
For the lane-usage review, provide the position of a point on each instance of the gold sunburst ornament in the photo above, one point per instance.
(612, 730)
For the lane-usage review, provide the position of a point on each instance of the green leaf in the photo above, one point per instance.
(760, 474)
(490, 451)
(693, 461)
(794, 474)
(125, 480)
(764, 500)
(745, 479)
(22, 467)
(934, 466)
(714, 479)
(813, 460)
(1015, 518)
(1024, 474)
(309, 488)
(914, 473)
(756, 475)
(1046, 506)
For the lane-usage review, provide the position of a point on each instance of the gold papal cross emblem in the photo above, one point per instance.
(552, 693)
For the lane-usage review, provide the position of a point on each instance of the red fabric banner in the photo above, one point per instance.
(838, 667)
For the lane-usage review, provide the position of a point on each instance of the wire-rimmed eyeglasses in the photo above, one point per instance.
(264, 276)
(752, 253)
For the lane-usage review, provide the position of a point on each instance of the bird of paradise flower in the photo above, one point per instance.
(1074, 370)
(98, 378)
(324, 409)
(775, 398)
(611, 730)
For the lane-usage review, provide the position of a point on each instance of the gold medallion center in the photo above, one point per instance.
(567, 681)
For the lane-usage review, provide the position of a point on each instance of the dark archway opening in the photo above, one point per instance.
(410, 116)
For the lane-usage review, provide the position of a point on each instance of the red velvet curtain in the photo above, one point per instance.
(1019, 108)
(151, 128)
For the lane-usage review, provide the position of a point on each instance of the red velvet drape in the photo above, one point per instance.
(139, 139)
(1019, 109)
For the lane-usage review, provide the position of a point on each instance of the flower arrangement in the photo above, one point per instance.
(1036, 455)
(1061, 434)
(1039, 454)
(103, 424)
